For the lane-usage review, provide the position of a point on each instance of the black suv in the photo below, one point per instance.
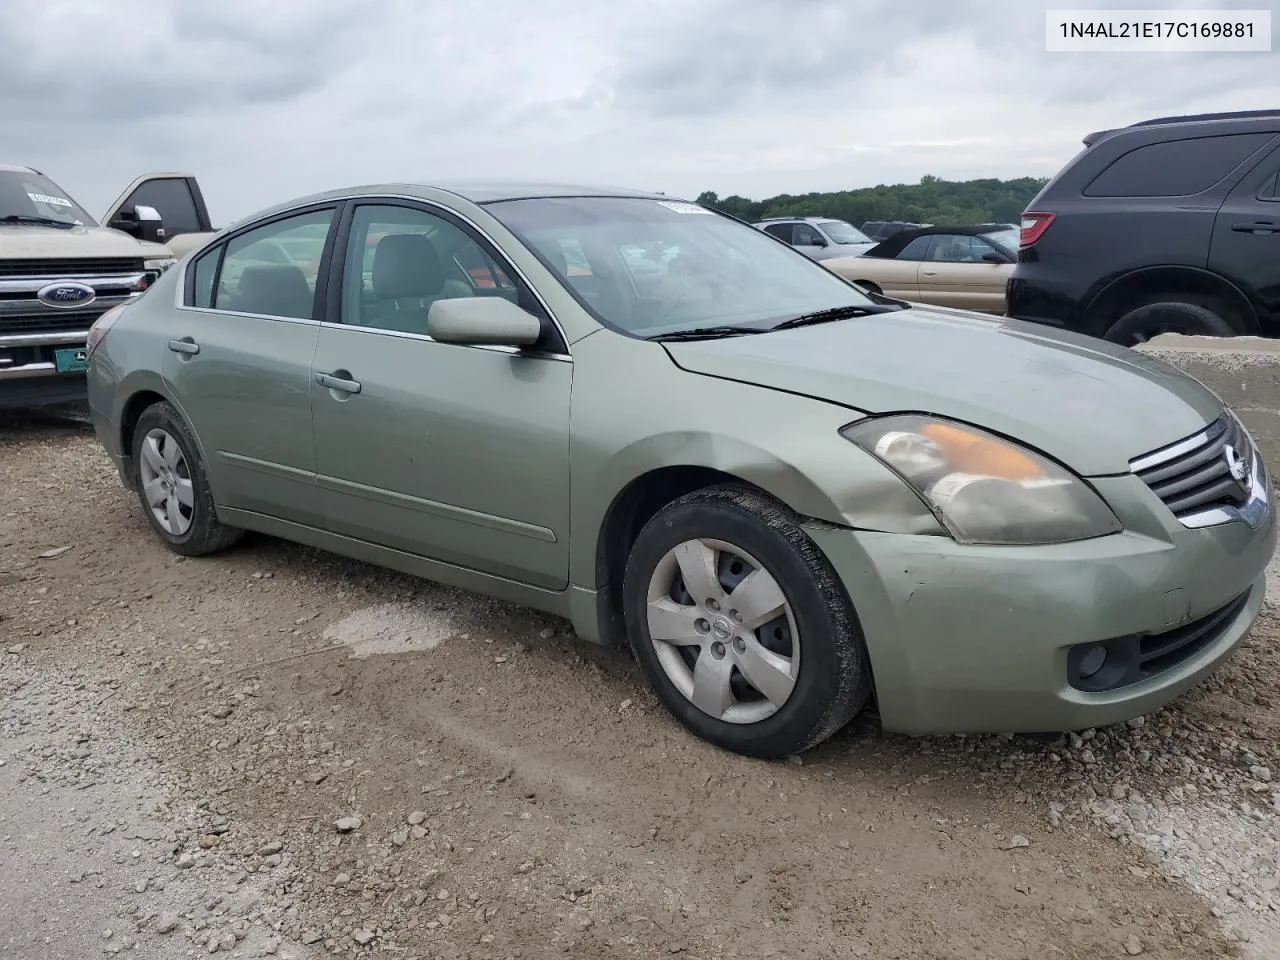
(1167, 226)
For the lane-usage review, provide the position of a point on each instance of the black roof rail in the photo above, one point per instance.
(1097, 135)
(1198, 117)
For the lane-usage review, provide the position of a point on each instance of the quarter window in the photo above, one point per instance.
(1175, 168)
(205, 269)
(401, 260)
(1271, 189)
(917, 249)
(271, 270)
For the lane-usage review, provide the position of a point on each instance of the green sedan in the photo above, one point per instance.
(787, 495)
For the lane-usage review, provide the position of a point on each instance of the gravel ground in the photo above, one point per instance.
(278, 751)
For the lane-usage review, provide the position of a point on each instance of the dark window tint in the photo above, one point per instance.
(1271, 189)
(1177, 168)
(917, 249)
(271, 270)
(172, 197)
(205, 269)
(780, 230)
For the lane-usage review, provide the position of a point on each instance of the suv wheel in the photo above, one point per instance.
(1152, 319)
(741, 626)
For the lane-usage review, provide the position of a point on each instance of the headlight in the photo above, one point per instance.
(984, 489)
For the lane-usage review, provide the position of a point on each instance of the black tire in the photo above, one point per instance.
(1168, 316)
(205, 534)
(834, 680)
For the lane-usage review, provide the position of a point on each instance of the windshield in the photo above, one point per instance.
(648, 267)
(842, 232)
(24, 194)
(1008, 239)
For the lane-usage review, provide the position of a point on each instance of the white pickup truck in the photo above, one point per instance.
(60, 270)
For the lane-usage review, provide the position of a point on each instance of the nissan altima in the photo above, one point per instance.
(787, 495)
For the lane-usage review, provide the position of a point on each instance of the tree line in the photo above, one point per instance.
(932, 200)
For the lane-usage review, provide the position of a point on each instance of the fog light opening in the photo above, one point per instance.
(1092, 660)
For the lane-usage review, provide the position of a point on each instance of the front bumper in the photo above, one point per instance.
(972, 639)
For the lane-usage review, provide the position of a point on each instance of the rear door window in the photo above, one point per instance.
(780, 230)
(1175, 168)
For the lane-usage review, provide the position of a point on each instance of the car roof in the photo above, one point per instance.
(890, 246)
(479, 192)
(10, 168)
(802, 220)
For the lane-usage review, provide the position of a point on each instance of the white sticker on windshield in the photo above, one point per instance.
(679, 206)
(43, 198)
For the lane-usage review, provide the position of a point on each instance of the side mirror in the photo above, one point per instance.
(150, 224)
(819, 242)
(477, 321)
(993, 258)
(141, 222)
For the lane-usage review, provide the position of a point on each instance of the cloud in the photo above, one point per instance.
(264, 102)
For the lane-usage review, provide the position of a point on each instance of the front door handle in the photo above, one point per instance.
(185, 346)
(928, 273)
(1257, 226)
(341, 384)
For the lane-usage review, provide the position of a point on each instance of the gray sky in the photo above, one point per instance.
(265, 100)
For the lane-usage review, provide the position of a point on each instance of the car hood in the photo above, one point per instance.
(1090, 404)
(32, 242)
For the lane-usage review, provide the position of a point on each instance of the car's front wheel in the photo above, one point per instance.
(741, 625)
(173, 487)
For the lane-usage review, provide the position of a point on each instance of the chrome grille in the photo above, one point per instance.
(65, 269)
(1194, 475)
(49, 321)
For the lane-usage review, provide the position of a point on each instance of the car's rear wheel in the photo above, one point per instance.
(1168, 316)
(741, 626)
(173, 487)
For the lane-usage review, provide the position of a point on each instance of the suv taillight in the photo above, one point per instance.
(1033, 227)
(99, 328)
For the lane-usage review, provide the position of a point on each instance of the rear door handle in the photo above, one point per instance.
(338, 383)
(1257, 226)
(185, 346)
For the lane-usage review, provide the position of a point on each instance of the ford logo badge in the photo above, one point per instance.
(66, 293)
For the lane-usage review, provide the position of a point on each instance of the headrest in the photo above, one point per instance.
(406, 265)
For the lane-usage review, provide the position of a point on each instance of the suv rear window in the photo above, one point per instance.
(1175, 168)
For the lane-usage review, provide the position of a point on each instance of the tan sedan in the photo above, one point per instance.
(964, 267)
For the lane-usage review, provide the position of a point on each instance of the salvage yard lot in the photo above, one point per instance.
(520, 794)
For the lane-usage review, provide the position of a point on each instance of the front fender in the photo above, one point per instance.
(660, 416)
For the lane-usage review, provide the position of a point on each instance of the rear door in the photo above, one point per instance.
(1246, 239)
(238, 362)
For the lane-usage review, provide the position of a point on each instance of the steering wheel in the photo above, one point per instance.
(681, 288)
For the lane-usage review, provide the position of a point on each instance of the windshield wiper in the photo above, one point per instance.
(41, 221)
(834, 313)
(703, 333)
